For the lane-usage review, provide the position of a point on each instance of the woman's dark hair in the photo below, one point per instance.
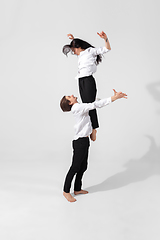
(78, 43)
(65, 104)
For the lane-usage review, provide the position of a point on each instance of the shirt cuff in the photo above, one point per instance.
(109, 100)
(106, 49)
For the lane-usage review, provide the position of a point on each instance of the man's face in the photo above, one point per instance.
(72, 99)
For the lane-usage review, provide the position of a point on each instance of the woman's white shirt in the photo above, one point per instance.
(87, 61)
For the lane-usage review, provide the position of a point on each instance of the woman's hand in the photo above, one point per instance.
(70, 36)
(102, 35)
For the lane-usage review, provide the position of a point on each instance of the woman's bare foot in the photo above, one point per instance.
(69, 197)
(93, 135)
(80, 192)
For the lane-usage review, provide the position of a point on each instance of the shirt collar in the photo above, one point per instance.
(82, 52)
(74, 106)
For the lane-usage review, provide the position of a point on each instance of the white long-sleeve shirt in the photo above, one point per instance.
(87, 61)
(83, 126)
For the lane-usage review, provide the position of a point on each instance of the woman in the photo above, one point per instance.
(88, 59)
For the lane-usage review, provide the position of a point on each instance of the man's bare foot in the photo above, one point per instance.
(93, 135)
(69, 197)
(80, 192)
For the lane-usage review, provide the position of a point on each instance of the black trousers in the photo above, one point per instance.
(79, 164)
(87, 89)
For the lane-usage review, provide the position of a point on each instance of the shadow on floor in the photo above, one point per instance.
(136, 171)
(154, 90)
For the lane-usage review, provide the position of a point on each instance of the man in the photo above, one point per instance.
(83, 129)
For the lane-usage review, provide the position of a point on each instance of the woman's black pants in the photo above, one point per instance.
(87, 89)
(79, 164)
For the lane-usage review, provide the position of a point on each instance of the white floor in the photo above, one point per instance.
(123, 201)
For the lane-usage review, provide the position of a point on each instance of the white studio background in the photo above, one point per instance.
(34, 75)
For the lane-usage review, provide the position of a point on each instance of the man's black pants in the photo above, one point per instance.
(79, 164)
(87, 89)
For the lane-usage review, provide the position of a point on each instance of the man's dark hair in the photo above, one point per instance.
(65, 104)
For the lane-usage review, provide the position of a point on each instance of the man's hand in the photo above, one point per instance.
(70, 36)
(118, 95)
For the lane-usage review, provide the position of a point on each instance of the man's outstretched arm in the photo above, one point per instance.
(86, 107)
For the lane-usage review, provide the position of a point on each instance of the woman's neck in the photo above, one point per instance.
(79, 50)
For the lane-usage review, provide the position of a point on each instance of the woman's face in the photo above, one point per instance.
(76, 51)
